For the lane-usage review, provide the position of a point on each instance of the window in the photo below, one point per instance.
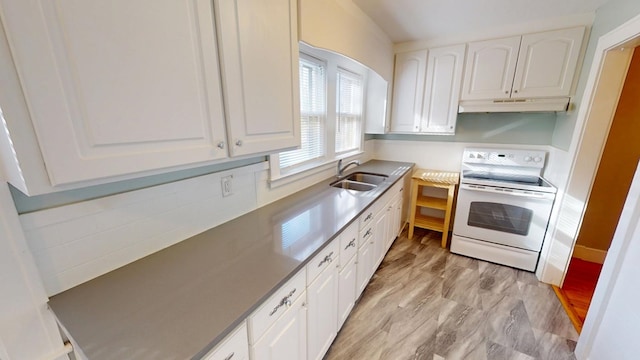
(348, 111)
(313, 114)
(331, 103)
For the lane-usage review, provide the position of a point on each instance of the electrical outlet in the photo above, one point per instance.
(226, 183)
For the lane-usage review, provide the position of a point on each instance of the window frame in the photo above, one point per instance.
(334, 62)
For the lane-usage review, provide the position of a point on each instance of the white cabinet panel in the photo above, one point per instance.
(408, 87)
(347, 292)
(489, 68)
(442, 89)
(322, 315)
(259, 55)
(379, 238)
(528, 66)
(365, 259)
(118, 87)
(348, 243)
(287, 338)
(234, 347)
(547, 63)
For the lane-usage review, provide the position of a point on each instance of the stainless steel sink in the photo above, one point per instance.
(369, 178)
(359, 181)
(353, 185)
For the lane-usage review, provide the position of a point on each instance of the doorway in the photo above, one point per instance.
(606, 200)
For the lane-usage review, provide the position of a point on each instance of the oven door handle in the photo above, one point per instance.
(509, 192)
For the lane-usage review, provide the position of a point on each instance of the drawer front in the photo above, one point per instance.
(365, 235)
(367, 217)
(321, 261)
(276, 305)
(348, 243)
(233, 347)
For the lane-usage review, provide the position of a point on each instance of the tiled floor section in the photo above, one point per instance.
(426, 303)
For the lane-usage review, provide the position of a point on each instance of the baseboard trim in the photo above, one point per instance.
(589, 254)
(566, 304)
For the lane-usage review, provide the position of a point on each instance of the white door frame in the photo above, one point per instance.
(604, 85)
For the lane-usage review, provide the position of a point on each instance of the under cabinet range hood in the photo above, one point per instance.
(514, 105)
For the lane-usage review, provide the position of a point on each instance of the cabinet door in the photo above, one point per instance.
(365, 264)
(547, 63)
(259, 55)
(380, 233)
(442, 89)
(118, 87)
(347, 294)
(287, 338)
(489, 69)
(408, 89)
(322, 317)
(235, 347)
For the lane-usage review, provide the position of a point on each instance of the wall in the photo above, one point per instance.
(340, 26)
(76, 242)
(617, 165)
(608, 17)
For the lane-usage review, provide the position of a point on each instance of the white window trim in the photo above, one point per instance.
(333, 62)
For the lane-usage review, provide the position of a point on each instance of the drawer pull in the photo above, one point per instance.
(351, 243)
(230, 356)
(326, 259)
(369, 217)
(367, 233)
(286, 301)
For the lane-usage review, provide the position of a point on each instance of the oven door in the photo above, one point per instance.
(503, 216)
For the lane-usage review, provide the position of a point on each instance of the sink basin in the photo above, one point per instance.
(360, 181)
(353, 185)
(368, 178)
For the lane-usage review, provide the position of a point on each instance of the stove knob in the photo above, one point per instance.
(537, 159)
(527, 158)
(471, 156)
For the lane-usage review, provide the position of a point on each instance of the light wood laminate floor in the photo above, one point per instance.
(426, 303)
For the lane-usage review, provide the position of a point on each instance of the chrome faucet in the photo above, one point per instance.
(343, 168)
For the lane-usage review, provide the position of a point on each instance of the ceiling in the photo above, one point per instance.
(411, 20)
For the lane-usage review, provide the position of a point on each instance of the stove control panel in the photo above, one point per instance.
(504, 157)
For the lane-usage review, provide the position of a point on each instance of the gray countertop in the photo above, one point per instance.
(179, 302)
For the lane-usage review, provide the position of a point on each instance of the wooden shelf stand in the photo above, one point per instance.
(437, 179)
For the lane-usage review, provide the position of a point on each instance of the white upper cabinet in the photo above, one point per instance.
(529, 66)
(259, 54)
(489, 68)
(408, 87)
(442, 89)
(117, 87)
(100, 91)
(427, 89)
(547, 63)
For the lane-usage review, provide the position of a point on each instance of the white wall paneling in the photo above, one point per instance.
(27, 327)
(75, 243)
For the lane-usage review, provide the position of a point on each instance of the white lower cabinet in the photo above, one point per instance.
(365, 260)
(287, 338)
(347, 292)
(322, 315)
(233, 347)
(380, 238)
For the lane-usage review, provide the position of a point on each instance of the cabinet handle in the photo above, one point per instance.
(238, 142)
(351, 243)
(221, 145)
(506, 92)
(326, 259)
(367, 233)
(286, 301)
(369, 216)
(230, 356)
(515, 91)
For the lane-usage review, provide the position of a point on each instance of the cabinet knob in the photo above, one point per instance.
(506, 92)
(221, 145)
(515, 91)
(238, 142)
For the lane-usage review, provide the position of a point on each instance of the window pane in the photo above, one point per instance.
(312, 115)
(349, 111)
